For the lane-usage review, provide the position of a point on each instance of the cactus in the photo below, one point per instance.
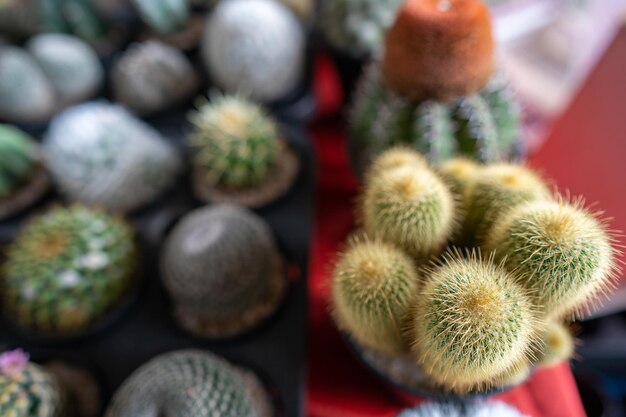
(99, 153)
(472, 323)
(190, 383)
(484, 125)
(357, 26)
(411, 207)
(459, 173)
(26, 95)
(73, 16)
(67, 269)
(18, 160)
(450, 409)
(223, 271)
(164, 16)
(515, 376)
(26, 389)
(494, 190)
(71, 65)
(151, 76)
(270, 49)
(394, 158)
(373, 289)
(559, 251)
(556, 345)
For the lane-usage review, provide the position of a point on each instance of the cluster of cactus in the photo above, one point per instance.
(357, 26)
(270, 49)
(27, 389)
(434, 90)
(19, 160)
(68, 268)
(99, 153)
(223, 271)
(469, 321)
(164, 16)
(460, 409)
(191, 383)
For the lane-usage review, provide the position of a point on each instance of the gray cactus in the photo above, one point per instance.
(99, 153)
(223, 270)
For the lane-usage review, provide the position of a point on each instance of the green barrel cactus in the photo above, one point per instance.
(471, 323)
(470, 409)
(556, 344)
(484, 126)
(223, 271)
(67, 269)
(373, 290)
(356, 26)
(164, 16)
(559, 251)
(28, 390)
(19, 160)
(411, 207)
(190, 383)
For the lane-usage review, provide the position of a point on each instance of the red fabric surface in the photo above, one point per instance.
(338, 386)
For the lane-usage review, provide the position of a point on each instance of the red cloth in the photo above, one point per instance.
(338, 386)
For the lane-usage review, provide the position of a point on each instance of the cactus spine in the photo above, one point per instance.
(559, 251)
(18, 160)
(556, 344)
(395, 158)
(373, 289)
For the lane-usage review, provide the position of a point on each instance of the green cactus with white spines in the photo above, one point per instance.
(18, 160)
(28, 390)
(556, 344)
(373, 289)
(411, 207)
(472, 323)
(493, 191)
(67, 269)
(561, 252)
(235, 144)
(484, 126)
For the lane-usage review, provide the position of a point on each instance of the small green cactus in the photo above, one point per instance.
(18, 160)
(556, 344)
(26, 389)
(67, 268)
(484, 126)
(472, 323)
(164, 16)
(373, 289)
(235, 144)
(495, 189)
(559, 251)
(409, 206)
(458, 173)
(190, 383)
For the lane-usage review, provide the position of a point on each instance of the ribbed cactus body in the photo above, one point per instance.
(235, 144)
(483, 126)
(18, 160)
(357, 26)
(556, 344)
(67, 269)
(559, 251)
(101, 154)
(190, 383)
(472, 323)
(477, 409)
(255, 48)
(151, 76)
(165, 16)
(411, 207)
(223, 270)
(373, 289)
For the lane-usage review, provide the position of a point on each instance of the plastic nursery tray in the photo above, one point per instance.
(275, 350)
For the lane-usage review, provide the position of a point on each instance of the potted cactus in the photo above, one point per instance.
(463, 277)
(435, 89)
(238, 154)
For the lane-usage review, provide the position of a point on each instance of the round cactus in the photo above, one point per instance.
(190, 383)
(494, 190)
(472, 323)
(477, 409)
(70, 64)
(269, 45)
(101, 154)
(559, 251)
(484, 125)
(223, 271)
(411, 207)
(357, 26)
(394, 158)
(151, 76)
(459, 173)
(26, 389)
(516, 375)
(67, 269)
(164, 16)
(373, 289)
(556, 345)
(19, 160)
(26, 95)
